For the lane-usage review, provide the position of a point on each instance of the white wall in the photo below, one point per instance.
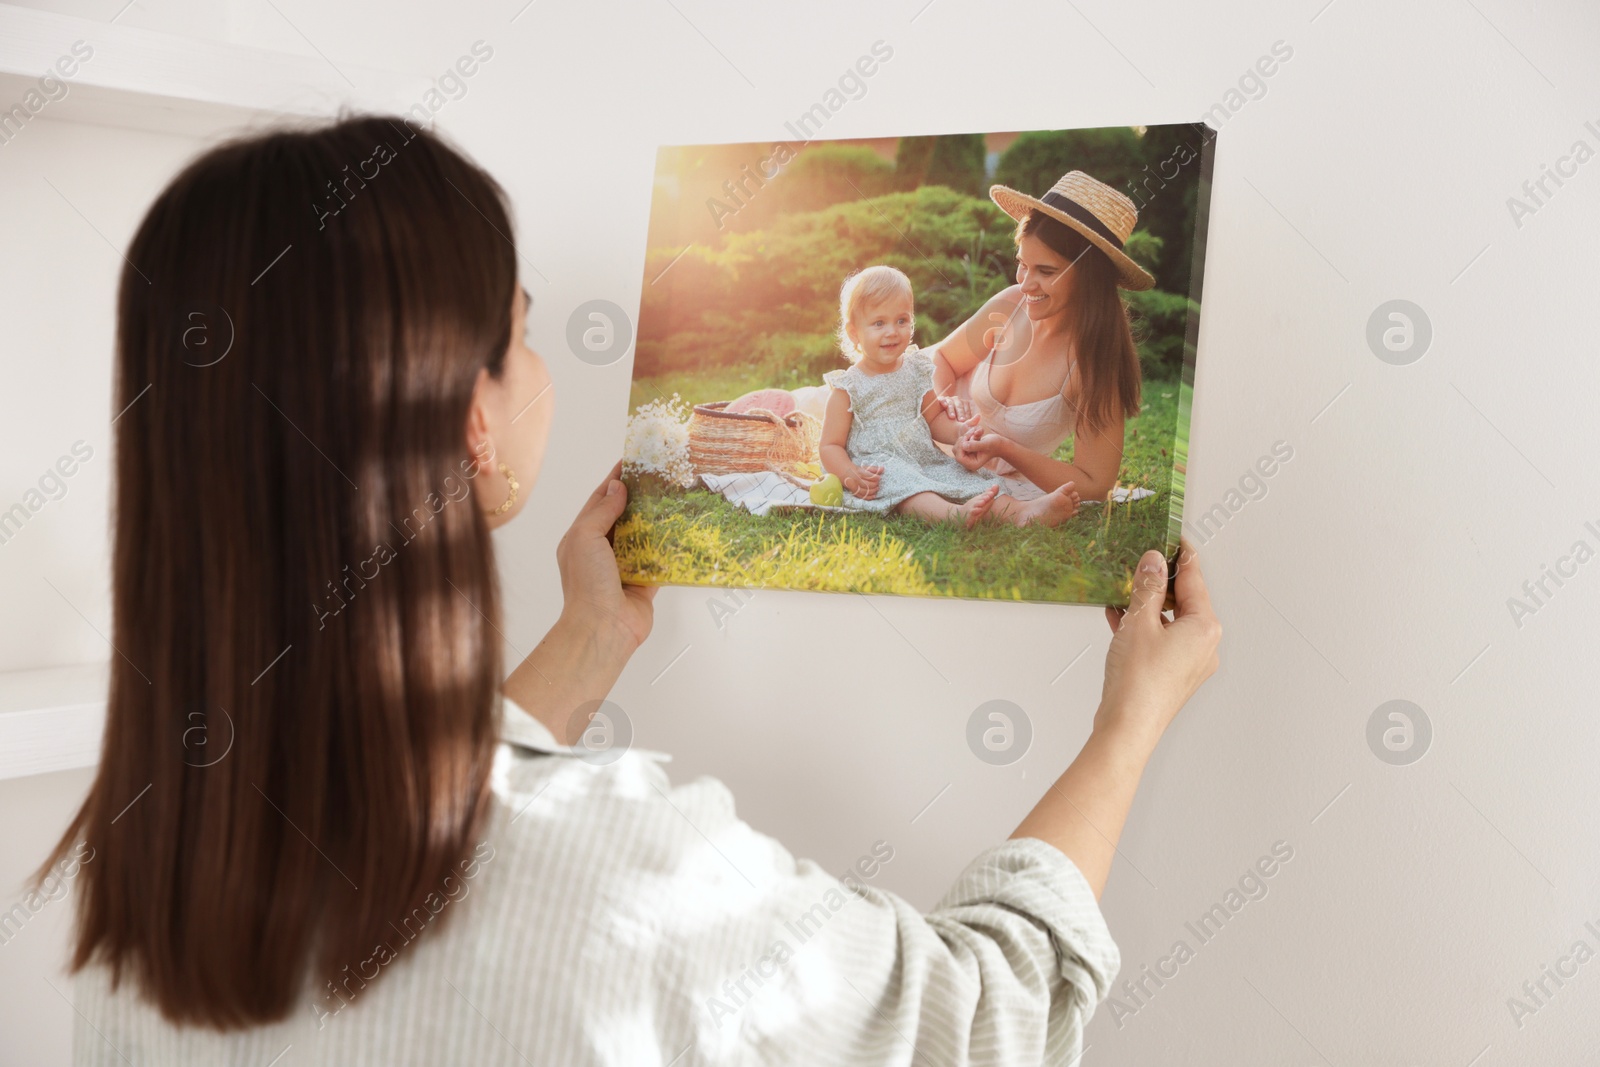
(1376, 166)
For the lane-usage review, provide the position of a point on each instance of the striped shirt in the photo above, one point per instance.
(610, 917)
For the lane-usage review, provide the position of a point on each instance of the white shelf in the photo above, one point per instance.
(51, 719)
(141, 79)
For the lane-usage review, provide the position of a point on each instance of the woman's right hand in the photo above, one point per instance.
(595, 600)
(602, 622)
(1154, 666)
(956, 407)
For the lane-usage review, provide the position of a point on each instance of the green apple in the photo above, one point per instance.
(828, 491)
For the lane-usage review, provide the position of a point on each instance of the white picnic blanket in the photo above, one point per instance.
(763, 491)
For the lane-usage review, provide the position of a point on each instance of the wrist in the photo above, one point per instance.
(576, 663)
(1131, 732)
(592, 639)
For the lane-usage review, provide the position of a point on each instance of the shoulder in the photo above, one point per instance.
(1008, 298)
(977, 332)
(844, 382)
(561, 817)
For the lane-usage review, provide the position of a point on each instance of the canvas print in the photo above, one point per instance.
(954, 365)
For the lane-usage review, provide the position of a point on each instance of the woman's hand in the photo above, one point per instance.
(978, 446)
(1154, 666)
(602, 623)
(956, 407)
(866, 481)
(595, 599)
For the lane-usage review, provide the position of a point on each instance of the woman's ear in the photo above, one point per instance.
(479, 445)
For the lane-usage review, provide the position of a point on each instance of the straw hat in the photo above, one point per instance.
(1091, 207)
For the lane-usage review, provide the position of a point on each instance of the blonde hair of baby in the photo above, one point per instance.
(866, 288)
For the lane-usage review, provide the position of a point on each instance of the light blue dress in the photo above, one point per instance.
(888, 428)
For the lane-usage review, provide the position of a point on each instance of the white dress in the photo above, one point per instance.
(888, 428)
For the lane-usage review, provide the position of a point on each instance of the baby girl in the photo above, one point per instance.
(882, 419)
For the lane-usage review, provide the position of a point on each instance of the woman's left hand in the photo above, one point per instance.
(591, 585)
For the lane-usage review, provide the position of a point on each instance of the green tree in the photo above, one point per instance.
(1166, 193)
(955, 161)
(1036, 160)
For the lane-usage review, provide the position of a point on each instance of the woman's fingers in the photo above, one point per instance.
(600, 511)
(614, 472)
(1149, 589)
(984, 442)
(646, 593)
(1190, 585)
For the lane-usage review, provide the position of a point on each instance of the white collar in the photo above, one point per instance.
(519, 727)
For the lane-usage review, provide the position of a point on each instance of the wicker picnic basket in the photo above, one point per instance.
(724, 442)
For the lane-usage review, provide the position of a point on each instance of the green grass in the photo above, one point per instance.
(695, 537)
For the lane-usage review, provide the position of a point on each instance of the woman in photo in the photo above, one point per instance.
(1052, 356)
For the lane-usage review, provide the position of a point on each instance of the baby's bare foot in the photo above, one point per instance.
(977, 507)
(1052, 509)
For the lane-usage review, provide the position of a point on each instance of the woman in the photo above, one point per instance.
(319, 823)
(1052, 356)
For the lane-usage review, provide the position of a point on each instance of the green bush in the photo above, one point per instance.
(1144, 248)
(1160, 320)
(831, 174)
(955, 161)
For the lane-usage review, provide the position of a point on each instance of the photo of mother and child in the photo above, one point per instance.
(1033, 413)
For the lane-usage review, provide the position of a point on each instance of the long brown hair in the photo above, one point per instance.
(1098, 330)
(300, 724)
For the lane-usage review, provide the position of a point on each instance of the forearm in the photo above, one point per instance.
(835, 460)
(1049, 473)
(575, 665)
(944, 429)
(940, 424)
(1083, 812)
(944, 379)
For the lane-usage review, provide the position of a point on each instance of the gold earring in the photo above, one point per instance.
(510, 500)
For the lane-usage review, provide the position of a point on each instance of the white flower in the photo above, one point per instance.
(657, 441)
